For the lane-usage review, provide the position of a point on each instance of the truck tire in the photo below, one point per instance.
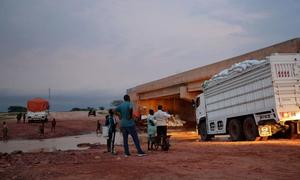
(291, 133)
(203, 132)
(250, 129)
(235, 130)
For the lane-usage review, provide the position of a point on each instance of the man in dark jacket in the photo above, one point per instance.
(112, 123)
(19, 116)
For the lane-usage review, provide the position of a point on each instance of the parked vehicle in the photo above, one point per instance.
(37, 110)
(252, 100)
(92, 112)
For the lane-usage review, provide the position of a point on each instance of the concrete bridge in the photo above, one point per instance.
(176, 92)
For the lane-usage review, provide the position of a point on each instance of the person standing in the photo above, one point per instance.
(4, 131)
(53, 124)
(19, 116)
(24, 117)
(161, 118)
(98, 129)
(128, 126)
(41, 129)
(151, 129)
(112, 123)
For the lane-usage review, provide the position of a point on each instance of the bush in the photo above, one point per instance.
(16, 109)
(101, 108)
(79, 109)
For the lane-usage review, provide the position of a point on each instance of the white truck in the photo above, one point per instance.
(262, 99)
(37, 116)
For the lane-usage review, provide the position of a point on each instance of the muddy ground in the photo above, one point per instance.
(187, 159)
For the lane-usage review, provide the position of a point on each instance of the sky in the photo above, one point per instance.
(90, 52)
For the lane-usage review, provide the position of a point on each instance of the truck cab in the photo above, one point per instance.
(37, 116)
(201, 117)
(200, 108)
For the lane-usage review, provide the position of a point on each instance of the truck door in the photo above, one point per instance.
(200, 107)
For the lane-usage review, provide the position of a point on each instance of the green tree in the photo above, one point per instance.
(75, 109)
(16, 109)
(102, 108)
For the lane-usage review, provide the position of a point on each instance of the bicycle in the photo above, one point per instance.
(165, 145)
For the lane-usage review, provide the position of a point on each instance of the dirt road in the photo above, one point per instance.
(187, 159)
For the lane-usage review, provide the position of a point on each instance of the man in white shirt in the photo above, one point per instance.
(161, 119)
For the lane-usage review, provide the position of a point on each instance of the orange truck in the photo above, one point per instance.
(37, 110)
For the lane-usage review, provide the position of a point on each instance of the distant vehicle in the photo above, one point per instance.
(259, 100)
(92, 112)
(37, 110)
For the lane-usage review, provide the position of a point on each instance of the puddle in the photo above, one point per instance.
(53, 144)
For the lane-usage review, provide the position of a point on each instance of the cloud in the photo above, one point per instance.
(226, 10)
(76, 46)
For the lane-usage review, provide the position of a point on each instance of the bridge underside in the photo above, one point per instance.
(176, 100)
(172, 104)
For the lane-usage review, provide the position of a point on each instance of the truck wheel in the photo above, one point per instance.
(291, 133)
(203, 132)
(250, 129)
(235, 130)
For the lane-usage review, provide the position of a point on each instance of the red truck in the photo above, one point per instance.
(37, 110)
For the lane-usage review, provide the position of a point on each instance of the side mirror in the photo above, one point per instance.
(193, 104)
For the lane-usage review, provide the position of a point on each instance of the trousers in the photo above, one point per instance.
(132, 131)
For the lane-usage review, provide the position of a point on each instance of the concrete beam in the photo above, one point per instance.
(169, 91)
(185, 95)
(195, 86)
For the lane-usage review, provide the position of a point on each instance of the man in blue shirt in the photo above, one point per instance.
(125, 111)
